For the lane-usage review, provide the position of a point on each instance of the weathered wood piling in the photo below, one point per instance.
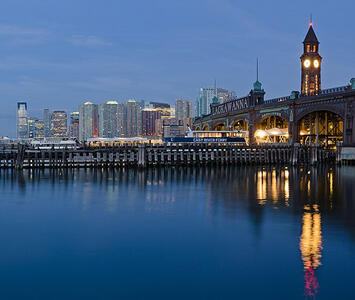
(143, 155)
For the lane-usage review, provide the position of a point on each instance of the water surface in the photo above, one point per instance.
(178, 233)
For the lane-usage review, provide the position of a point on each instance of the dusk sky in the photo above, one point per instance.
(58, 54)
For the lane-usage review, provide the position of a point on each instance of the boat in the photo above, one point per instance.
(219, 137)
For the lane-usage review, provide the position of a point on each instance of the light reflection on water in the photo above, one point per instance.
(278, 198)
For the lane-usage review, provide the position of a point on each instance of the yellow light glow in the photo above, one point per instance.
(307, 63)
(316, 63)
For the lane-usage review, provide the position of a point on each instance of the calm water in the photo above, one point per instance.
(178, 233)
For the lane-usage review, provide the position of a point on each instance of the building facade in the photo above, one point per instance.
(22, 120)
(88, 121)
(59, 123)
(311, 117)
(74, 125)
(108, 119)
(133, 118)
(149, 117)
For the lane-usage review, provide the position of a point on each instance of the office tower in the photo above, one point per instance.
(35, 128)
(122, 120)
(59, 123)
(22, 120)
(74, 125)
(39, 129)
(31, 123)
(108, 119)
(205, 100)
(47, 122)
(224, 95)
(183, 109)
(88, 121)
(134, 118)
(149, 117)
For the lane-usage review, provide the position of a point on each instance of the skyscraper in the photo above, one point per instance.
(47, 122)
(205, 100)
(39, 129)
(108, 119)
(74, 125)
(149, 117)
(88, 121)
(59, 124)
(134, 118)
(22, 120)
(122, 120)
(31, 122)
(183, 109)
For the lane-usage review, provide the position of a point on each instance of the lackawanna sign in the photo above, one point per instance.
(237, 104)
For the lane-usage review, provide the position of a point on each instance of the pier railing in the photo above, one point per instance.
(143, 155)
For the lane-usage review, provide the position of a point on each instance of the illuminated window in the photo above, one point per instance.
(308, 48)
(314, 48)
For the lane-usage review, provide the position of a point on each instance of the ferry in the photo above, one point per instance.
(220, 137)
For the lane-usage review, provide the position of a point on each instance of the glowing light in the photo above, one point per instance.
(307, 63)
(260, 133)
(311, 246)
(316, 63)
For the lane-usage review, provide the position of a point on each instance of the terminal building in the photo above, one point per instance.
(310, 116)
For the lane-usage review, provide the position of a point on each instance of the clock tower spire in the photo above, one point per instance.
(311, 64)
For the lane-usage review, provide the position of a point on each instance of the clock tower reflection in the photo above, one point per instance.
(311, 246)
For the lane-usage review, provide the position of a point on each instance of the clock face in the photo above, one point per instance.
(316, 63)
(307, 63)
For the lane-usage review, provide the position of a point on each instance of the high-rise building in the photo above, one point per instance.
(311, 64)
(74, 125)
(224, 95)
(59, 123)
(39, 129)
(88, 121)
(22, 120)
(35, 128)
(108, 119)
(47, 122)
(205, 100)
(134, 118)
(183, 109)
(149, 117)
(122, 120)
(31, 122)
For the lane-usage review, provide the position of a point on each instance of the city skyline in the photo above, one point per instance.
(99, 60)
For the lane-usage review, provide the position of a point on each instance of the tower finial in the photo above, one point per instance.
(257, 69)
(311, 21)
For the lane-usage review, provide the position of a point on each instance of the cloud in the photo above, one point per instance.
(13, 34)
(88, 41)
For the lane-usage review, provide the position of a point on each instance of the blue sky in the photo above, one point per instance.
(58, 54)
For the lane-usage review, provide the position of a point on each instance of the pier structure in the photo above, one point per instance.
(145, 155)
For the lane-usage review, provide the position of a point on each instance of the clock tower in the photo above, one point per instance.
(311, 64)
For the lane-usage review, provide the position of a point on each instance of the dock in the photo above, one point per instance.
(144, 155)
